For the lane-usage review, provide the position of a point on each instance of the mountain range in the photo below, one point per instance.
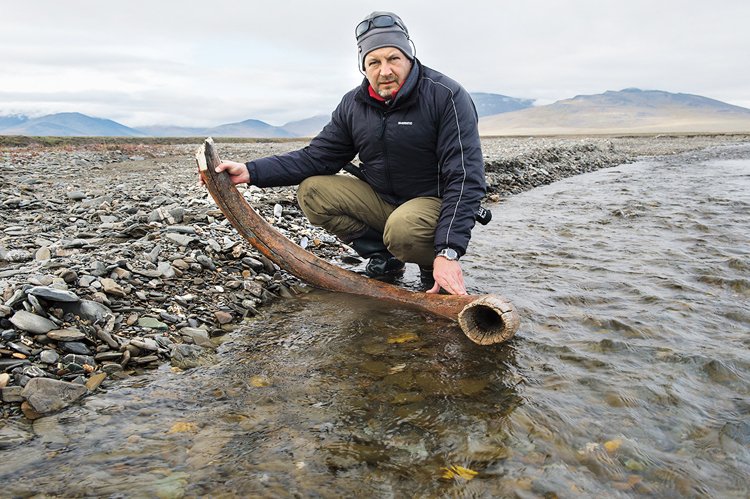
(626, 111)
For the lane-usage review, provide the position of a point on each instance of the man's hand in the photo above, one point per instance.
(237, 171)
(448, 275)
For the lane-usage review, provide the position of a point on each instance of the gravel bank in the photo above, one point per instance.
(114, 260)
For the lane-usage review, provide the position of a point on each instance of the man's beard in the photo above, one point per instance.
(384, 92)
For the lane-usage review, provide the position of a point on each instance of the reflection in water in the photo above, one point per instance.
(629, 375)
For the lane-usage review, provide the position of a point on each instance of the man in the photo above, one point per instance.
(421, 176)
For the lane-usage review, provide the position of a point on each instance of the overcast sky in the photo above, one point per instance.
(205, 63)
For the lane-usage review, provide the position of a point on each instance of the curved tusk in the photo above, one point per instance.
(485, 319)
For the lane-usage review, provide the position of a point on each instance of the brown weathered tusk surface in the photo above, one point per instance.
(485, 319)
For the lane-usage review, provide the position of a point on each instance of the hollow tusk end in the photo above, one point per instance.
(489, 319)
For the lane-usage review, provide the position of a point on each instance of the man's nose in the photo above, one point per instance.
(385, 69)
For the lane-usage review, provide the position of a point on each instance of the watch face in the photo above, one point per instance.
(449, 253)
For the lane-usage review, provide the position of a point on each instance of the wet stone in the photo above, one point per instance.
(76, 195)
(180, 239)
(8, 335)
(79, 359)
(111, 368)
(108, 356)
(86, 281)
(53, 294)
(48, 395)
(223, 317)
(8, 364)
(190, 356)
(145, 344)
(147, 359)
(73, 368)
(198, 336)
(32, 323)
(43, 254)
(95, 380)
(151, 323)
(33, 372)
(66, 335)
(69, 276)
(12, 394)
(36, 306)
(206, 262)
(75, 347)
(19, 347)
(15, 256)
(111, 287)
(166, 317)
(49, 356)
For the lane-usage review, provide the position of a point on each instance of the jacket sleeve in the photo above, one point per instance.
(326, 154)
(462, 171)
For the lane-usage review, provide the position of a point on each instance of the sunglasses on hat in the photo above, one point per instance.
(382, 21)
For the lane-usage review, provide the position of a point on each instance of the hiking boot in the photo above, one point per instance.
(384, 265)
(425, 277)
(381, 264)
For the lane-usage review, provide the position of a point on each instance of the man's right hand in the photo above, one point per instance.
(237, 171)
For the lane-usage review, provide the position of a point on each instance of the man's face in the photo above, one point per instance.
(386, 69)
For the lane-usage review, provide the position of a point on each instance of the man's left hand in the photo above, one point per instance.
(448, 275)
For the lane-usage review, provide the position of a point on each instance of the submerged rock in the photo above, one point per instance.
(49, 395)
(189, 356)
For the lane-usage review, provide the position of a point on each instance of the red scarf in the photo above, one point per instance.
(377, 96)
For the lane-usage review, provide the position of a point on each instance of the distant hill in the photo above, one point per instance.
(248, 128)
(626, 111)
(489, 104)
(70, 125)
(12, 120)
(308, 127)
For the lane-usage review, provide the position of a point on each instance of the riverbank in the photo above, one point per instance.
(114, 260)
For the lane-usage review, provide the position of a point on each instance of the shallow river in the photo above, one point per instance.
(629, 376)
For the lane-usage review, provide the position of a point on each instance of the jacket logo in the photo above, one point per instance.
(405, 123)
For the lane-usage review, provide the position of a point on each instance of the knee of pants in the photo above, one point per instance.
(304, 190)
(307, 198)
(410, 242)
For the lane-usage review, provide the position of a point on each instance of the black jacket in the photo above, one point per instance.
(425, 143)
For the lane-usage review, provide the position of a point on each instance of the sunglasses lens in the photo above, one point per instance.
(383, 21)
(362, 28)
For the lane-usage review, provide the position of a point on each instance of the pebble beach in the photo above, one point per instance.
(114, 260)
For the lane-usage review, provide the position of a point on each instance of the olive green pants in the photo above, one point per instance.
(347, 206)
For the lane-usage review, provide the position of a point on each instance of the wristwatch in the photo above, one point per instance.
(448, 254)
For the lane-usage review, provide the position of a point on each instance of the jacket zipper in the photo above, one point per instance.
(387, 165)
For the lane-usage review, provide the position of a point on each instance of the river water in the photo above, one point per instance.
(629, 375)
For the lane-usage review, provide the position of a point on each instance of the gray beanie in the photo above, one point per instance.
(394, 34)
